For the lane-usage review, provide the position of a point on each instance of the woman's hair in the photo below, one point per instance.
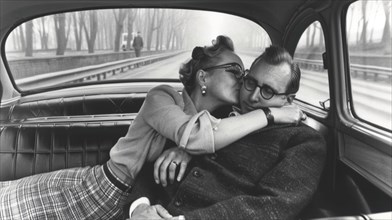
(203, 57)
(275, 55)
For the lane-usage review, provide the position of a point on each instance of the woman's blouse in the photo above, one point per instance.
(164, 114)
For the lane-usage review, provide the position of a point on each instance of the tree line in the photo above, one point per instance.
(167, 29)
(101, 30)
(359, 32)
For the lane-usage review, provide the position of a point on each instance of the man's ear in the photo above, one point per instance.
(290, 98)
(201, 76)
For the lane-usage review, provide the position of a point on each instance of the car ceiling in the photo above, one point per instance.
(273, 15)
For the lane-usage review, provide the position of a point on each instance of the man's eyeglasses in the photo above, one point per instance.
(266, 92)
(233, 68)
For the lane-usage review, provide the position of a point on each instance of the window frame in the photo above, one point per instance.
(291, 39)
(354, 133)
(363, 130)
(315, 109)
(361, 121)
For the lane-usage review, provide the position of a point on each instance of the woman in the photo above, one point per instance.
(211, 81)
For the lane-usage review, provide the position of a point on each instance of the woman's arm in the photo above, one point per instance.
(196, 132)
(232, 129)
(200, 133)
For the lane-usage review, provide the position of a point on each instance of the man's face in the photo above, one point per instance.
(266, 75)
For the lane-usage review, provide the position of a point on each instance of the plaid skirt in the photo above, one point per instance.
(76, 193)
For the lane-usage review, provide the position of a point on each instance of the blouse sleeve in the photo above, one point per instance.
(163, 111)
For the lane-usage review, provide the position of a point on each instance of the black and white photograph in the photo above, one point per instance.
(196, 109)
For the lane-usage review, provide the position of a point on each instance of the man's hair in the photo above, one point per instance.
(275, 55)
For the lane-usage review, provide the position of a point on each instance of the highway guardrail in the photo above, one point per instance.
(100, 72)
(357, 70)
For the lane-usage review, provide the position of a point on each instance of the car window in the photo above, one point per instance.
(368, 32)
(314, 87)
(73, 48)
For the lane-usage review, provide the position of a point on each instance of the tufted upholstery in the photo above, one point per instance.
(84, 105)
(47, 135)
(30, 149)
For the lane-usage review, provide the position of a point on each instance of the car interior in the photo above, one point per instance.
(43, 129)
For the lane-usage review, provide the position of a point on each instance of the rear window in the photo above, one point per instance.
(119, 44)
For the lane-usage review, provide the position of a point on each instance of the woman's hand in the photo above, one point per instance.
(288, 114)
(144, 211)
(168, 162)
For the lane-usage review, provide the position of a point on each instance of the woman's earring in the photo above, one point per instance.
(203, 90)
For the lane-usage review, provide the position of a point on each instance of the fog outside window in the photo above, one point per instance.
(99, 45)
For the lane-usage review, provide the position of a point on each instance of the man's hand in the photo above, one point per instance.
(144, 211)
(168, 162)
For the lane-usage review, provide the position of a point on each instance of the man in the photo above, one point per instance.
(137, 44)
(270, 174)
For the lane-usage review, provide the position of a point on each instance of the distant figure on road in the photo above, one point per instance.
(137, 44)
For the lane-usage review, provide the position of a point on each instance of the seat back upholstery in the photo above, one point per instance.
(48, 135)
(39, 136)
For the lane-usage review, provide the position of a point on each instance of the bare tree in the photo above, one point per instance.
(321, 39)
(307, 36)
(132, 13)
(151, 14)
(364, 24)
(15, 40)
(107, 29)
(386, 34)
(313, 34)
(358, 32)
(181, 38)
(91, 30)
(101, 37)
(161, 40)
(119, 16)
(22, 38)
(170, 30)
(78, 21)
(61, 33)
(43, 35)
(29, 38)
(178, 22)
(351, 22)
(160, 17)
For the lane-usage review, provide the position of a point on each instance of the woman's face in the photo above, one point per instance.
(222, 85)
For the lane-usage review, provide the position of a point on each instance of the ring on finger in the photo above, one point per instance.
(174, 162)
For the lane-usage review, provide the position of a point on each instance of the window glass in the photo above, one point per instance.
(97, 45)
(368, 31)
(314, 78)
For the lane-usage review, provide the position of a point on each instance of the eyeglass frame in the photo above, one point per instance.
(246, 77)
(224, 66)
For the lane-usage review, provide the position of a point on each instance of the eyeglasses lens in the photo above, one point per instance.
(266, 92)
(251, 84)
